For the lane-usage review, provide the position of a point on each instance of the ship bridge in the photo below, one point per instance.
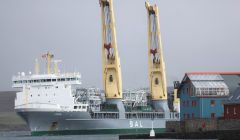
(46, 79)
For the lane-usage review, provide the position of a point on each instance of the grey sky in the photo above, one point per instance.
(200, 35)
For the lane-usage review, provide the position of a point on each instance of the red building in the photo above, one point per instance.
(232, 106)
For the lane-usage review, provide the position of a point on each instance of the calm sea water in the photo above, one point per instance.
(26, 136)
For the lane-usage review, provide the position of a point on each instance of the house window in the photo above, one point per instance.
(182, 91)
(213, 115)
(188, 116)
(193, 115)
(191, 91)
(227, 110)
(194, 103)
(213, 103)
(238, 95)
(234, 111)
(222, 102)
(184, 103)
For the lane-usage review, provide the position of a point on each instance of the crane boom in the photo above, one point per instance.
(111, 62)
(157, 74)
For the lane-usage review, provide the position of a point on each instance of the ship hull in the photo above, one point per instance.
(75, 123)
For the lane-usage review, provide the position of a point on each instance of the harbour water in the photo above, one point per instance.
(25, 135)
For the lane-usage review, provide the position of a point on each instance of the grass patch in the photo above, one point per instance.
(11, 118)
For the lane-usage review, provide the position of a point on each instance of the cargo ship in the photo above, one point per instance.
(55, 103)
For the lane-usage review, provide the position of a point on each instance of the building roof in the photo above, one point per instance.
(234, 98)
(232, 82)
(210, 79)
(221, 73)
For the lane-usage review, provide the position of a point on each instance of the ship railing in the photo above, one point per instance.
(38, 106)
(147, 115)
(104, 115)
(31, 79)
(33, 76)
(174, 115)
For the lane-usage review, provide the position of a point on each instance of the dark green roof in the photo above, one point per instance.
(232, 81)
(234, 98)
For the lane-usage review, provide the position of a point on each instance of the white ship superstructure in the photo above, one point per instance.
(47, 91)
(53, 91)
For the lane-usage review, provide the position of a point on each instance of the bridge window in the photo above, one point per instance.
(54, 80)
(73, 79)
(110, 78)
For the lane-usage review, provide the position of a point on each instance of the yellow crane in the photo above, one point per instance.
(156, 64)
(112, 78)
(111, 62)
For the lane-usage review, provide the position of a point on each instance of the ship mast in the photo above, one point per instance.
(156, 64)
(48, 56)
(36, 67)
(111, 62)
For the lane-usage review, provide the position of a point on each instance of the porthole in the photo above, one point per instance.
(110, 78)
